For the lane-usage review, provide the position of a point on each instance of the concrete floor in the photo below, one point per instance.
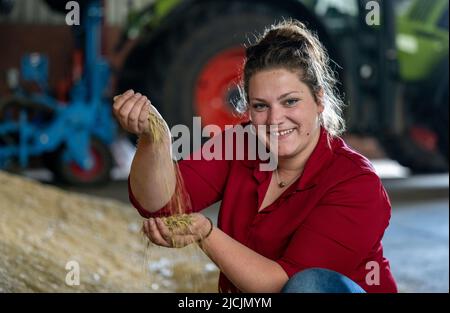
(417, 240)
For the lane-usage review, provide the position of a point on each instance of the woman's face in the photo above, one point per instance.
(278, 97)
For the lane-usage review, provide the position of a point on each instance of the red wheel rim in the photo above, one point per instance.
(91, 174)
(216, 83)
(424, 137)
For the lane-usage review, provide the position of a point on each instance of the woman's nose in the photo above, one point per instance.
(276, 115)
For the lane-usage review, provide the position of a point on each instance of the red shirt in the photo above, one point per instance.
(334, 216)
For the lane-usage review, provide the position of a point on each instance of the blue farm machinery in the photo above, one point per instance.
(72, 137)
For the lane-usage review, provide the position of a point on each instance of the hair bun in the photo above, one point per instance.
(287, 31)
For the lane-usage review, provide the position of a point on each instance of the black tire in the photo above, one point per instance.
(204, 31)
(442, 131)
(431, 114)
(408, 153)
(441, 123)
(73, 175)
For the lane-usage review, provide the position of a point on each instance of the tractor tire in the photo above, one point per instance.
(71, 174)
(442, 131)
(428, 123)
(441, 122)
(195, 67)
(407, 152)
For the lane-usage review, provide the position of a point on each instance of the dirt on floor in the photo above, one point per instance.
(47, 234)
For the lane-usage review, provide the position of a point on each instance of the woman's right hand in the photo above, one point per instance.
(132, 111)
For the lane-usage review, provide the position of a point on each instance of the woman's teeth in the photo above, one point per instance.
(283, 132)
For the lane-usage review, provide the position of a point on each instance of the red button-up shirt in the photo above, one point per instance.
(334, 216)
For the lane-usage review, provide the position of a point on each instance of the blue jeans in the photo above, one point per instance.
(320, 280)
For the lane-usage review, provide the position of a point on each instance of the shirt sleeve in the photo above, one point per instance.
(342, 230)
(204, 182)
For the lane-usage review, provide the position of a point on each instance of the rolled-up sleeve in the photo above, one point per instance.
(342, 230)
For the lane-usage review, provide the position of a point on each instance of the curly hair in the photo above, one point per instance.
(291, 46)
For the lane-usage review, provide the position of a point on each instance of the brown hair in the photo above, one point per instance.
(291, 46)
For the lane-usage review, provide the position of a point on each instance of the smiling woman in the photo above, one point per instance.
(313, 224)
(292, 47)
(295, 112)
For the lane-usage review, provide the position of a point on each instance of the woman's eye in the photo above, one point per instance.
(259, 106)
(291, 102)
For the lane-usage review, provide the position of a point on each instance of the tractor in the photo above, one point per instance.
(188, 56)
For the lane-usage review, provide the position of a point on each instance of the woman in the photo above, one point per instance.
(315, 223)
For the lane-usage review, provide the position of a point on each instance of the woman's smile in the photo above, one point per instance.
(283, 134)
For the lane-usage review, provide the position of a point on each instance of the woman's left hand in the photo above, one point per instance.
(161, 235)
